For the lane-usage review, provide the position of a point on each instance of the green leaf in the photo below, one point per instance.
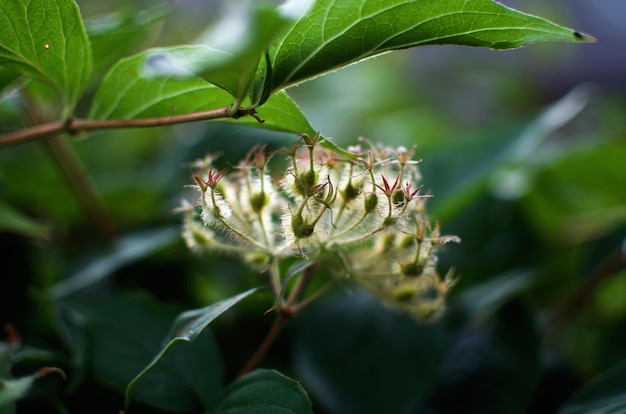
(125, 332)
(187, 327)
(356, 355)
(231, 54)
(7, 78)
(575, 197)
(114, 35)
(263, 83)
(14, 221)
(127, 93)
(127, 250)
(605, 394)
(46, 40)
(280, 113)
(264, 392)
(335, 33)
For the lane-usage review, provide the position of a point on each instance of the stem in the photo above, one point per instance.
(299, 288)
(285, 312)
(74, 126)
(269, 340)
(275, 279)
(83, 187)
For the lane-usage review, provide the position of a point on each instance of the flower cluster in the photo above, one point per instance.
(365, 209)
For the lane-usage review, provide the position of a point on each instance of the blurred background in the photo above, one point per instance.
(524, 151)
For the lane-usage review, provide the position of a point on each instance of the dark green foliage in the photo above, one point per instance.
(96, 278)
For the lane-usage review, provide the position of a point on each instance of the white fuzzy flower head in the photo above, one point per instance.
(363, 207)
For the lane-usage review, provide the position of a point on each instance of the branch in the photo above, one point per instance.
(285, 311)
(75, 126)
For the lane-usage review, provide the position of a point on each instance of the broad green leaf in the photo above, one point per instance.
(127, 93)
(14, 221)
(335, 33)
(264, 392)
(187, 327)
(576, 198)
(231, 54)
(603, 395)
(125, 332)
(356, 355)
(127, 250)
(114, 35)
(280, 113)
(46, 40)
(11, 106)
(7, 77)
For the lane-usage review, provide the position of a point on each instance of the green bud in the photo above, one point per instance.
(387, 242)
(258, 201)
(406, 241)
(305, 181)
(257, 259)
(350, 192)
(404, 292)
(397, 198)
(370, 202)
(389, 221)
(412, 269)
(301, 228)
(199, 236)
